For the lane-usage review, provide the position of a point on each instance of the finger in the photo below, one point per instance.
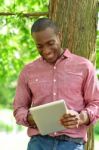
(70, 122)
(74, 122)
(34, 126)
(69, 119)
(68, 115)
(71, 126)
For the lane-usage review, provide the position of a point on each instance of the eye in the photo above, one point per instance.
(39, 46)
(51, 42)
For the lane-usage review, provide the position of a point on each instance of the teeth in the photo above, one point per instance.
(49, 56)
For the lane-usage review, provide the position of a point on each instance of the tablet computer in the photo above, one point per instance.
(47, 116)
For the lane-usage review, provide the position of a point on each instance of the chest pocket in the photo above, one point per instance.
(73, 81)
(39, 85)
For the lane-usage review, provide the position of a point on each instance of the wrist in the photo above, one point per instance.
(84, 118)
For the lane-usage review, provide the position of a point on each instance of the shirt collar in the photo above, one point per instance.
(67, 53)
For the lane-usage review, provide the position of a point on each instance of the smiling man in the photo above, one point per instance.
(57, 74)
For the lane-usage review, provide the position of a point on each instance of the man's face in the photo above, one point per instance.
(48, 44)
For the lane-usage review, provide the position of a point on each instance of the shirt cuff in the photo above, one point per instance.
(92, 118)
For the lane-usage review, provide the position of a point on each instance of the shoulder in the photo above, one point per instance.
(82, 61)
(30, 67)
(84, 65)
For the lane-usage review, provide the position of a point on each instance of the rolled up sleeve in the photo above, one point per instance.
(91, 95)
(22, 100)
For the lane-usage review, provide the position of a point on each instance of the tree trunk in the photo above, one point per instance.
(77, 22)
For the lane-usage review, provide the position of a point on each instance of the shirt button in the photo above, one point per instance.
(54, 67)
(55, 133)
(54, 80)
(36, 80)
(54, 94)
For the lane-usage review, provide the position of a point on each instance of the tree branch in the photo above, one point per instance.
(36, 14)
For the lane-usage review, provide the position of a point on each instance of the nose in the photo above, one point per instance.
(46, 50)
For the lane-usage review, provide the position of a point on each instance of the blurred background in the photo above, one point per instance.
(16, 50)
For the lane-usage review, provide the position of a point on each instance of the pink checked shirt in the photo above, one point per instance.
(72, 78)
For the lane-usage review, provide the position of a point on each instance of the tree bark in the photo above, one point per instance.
(77, 21)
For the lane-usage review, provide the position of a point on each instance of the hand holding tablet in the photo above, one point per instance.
(47, 116)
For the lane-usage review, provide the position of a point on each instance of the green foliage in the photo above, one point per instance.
(5, 127)
(96, 128)
(16, 45)
(96, 131)
(23, 5)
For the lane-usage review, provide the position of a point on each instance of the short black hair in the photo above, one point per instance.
(43, 23)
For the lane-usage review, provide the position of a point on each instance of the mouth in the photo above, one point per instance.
(49, 56)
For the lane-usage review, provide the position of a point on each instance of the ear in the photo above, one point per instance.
(60, 36)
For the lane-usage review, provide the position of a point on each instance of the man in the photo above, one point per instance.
(57, 74)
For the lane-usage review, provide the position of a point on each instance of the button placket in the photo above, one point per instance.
(54, 84)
